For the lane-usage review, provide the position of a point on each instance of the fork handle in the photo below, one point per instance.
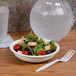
(47, 65)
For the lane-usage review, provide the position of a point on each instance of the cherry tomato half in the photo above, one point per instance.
(17, 47)
(41, 52)
(25, 52)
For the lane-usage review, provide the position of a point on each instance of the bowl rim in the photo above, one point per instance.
(16, 41)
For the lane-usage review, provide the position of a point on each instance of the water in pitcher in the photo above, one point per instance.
(50, 27)
(51, 20)
(4, 12)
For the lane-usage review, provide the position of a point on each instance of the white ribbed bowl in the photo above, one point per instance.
(33, 59)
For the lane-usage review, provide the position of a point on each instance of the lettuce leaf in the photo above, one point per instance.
(32, 37)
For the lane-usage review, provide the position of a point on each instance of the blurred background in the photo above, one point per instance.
(20, 11)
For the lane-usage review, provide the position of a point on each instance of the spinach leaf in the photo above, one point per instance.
(55, 47)
(40, 40)
(26, 41)
(31, 50)
(36, 50)
(31, 37)
(22, 47)
(42, 46)
(35, 37)
(52, 43)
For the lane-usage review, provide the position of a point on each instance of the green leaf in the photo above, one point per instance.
(31, 50)
(35, 37)
(36, 49)
(26, 41)
(40, 41)
(42, 46)
(52, 42)
(32, 37)
(49, 44)
(22, 47)
(55, 47)
(33, 55)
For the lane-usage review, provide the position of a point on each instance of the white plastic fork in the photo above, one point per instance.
(65, 58)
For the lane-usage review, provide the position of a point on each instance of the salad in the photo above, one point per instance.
(35, 46)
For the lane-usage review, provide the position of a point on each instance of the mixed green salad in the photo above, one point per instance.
(35, 46)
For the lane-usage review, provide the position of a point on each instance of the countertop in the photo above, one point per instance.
(12, 66)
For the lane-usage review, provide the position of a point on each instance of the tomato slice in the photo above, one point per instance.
(25, 52)
(41, 52)
(52, 46)
(17, 47)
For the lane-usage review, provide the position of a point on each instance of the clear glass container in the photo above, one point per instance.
(4, 14)
(51, 19)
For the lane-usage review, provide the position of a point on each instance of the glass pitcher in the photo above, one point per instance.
(4, 14)
(51, 19)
